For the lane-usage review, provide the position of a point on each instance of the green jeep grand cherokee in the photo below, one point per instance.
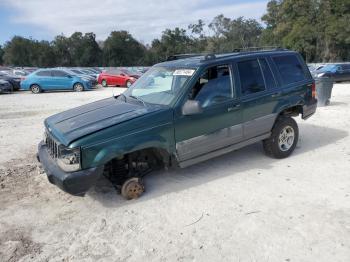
(181, 112)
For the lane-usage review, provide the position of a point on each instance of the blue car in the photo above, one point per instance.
(54, 79)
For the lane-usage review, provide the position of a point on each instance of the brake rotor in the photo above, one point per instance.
(132, 188)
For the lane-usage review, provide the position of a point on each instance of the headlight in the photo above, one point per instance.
(320, 75)
(69, 159)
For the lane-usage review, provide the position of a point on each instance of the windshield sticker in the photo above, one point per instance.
(184, 72)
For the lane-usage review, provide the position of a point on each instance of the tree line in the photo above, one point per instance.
(318, 29)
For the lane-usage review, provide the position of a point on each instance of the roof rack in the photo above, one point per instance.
(181, 56)
(209, 56)
(257, 49)
(184, 56)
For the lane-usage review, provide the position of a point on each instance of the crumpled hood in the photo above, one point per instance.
(84, 120)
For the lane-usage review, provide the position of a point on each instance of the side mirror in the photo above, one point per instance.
(191, 107)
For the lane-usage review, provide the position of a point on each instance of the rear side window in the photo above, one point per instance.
(59, 73)
(44, 73)
(252, 80)
(269, 79)
(290, 69)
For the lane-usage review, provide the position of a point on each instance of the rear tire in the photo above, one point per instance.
(35, 89)
(78, 87)
(128, 84)
(283, 139)
(104, 83)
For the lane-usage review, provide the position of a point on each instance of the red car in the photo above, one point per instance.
(117, 78)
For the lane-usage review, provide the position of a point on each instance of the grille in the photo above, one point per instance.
(52, 146)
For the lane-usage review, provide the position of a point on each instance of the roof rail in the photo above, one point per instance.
(182, 56)
(257, 49)
(209, 56)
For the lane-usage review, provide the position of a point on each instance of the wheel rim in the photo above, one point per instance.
(78, 88)
(286, 138)
(132, 188)
(35, 89)
(104, 83)
(128, 84)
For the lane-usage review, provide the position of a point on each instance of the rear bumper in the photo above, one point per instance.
(75, 183)
(309, 109)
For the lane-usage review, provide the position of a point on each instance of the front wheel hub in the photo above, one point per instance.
(132, 188)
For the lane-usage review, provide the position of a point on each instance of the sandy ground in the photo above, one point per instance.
(242, 206)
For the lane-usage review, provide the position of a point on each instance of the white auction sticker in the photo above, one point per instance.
(184, 72)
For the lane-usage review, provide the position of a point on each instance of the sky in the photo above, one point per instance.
(144, 19)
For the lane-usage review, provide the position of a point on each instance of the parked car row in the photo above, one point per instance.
(66, 78)
(339, 72)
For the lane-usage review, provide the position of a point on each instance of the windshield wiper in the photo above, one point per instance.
(138, 99)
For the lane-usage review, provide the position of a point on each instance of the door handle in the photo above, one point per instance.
(233, 108)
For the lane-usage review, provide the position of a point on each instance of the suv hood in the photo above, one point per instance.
(75, 123)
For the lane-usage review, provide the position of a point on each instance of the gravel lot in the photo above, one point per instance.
(242, 206)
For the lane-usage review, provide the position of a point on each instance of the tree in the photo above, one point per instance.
(1, 55)
(334, 37)
(44, 54)
(318, 29)
(232, 34)
(83, 49)
(61, 46)
(121, 49)
(17, 51)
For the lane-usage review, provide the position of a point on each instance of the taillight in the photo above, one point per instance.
(313, 89)
(23, 78)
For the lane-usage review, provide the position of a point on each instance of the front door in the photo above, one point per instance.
(61, 79)
(219, 125)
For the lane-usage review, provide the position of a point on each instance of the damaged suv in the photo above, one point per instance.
(181, 112)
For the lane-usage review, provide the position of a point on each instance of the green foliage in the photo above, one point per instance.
(121, 49)
(316, 28)
(1, 55)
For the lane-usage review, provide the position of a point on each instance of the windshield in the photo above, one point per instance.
(328, 68)
(160, 85)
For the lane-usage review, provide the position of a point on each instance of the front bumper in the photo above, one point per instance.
(5, 88)
(75, 183)
(309, 109)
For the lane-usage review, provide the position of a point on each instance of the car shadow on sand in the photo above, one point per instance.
(312, 137)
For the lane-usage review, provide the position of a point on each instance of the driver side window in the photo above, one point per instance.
(214, 86)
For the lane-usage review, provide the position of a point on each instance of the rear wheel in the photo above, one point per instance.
(128, 83)
(104, 83)
(284, 138)
(35, 89)
(78, 87)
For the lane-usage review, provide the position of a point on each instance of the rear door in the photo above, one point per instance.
(44, 79)
(258, 94)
